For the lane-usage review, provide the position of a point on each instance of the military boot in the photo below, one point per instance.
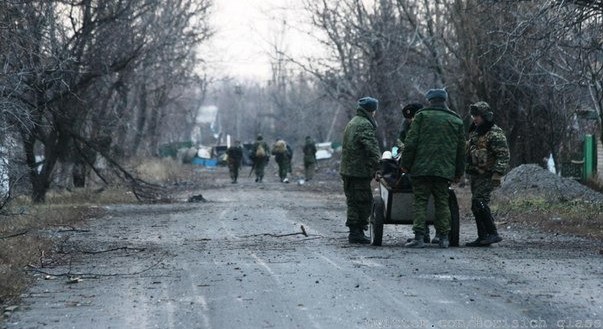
(417, 242)
(490, 227)
(481, 234)
(443, 241)
(357, 235)
(426, 236)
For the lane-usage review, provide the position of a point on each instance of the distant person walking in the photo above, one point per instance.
(359, 162)
(487, 161)
(282, 155)
(260, 155)
(235, 158)
(309, 158)
(434, 155)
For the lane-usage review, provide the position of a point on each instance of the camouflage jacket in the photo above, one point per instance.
(487, 150)
(435, 144)
(360, 150)
(309, 152)
(235, 154)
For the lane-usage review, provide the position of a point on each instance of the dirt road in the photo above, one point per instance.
(240, 261)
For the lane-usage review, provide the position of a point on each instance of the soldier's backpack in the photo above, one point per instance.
(260, 152)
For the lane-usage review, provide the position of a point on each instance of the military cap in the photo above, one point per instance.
(482, 109)
(369, 104)
(436, 94)
(410, 110)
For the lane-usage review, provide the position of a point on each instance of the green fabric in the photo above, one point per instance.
(309, 169)
(481, 188)
(309, 152)
(435, 144)
(259, 164)
(488, 152)
(423, 187)
(360, 150)
(359, 200)
(235, 157)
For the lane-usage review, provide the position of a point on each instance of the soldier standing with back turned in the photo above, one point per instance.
(309, 158)
(434, 155)
(487, 161)
(235, 157)
(359, 162)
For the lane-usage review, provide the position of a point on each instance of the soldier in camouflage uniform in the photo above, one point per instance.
(309, 158)
(434, 155)
(260, 154)
(359, 163)
(280, 150)
(487, 161)
(235, 157)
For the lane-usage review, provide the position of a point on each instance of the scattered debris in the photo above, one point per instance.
(197, 198)
(74, 279)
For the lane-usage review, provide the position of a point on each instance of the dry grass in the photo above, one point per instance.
(159, 171)
(21, 243)
(575, 217)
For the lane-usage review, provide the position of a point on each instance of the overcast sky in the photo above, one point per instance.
(245, 31)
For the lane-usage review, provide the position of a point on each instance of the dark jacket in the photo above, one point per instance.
(435, 144)
(360, 150)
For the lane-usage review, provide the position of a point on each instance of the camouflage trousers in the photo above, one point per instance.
(310, 168)
(284, 167)
(424, 187)
(233, 168)
(259, 167)
(359, 199)
(481, 188)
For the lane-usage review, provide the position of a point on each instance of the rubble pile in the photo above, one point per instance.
(530, 180)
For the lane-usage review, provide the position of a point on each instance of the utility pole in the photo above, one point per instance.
(239, 92)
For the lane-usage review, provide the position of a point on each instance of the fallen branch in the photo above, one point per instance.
(92, 275)
(303, 232)
(94, 252)
(13, 235)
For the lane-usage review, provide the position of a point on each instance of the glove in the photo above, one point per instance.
(496, 177)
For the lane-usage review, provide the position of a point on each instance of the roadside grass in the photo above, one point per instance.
(576, 217)
(22, 244)
(26, 228)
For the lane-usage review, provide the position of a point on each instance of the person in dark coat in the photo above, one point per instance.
(235, 158)
(309, 158)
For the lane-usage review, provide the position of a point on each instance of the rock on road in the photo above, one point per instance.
(237, 261)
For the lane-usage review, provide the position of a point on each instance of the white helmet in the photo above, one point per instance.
(386, 155)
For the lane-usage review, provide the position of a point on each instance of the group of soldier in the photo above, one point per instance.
(260, 155)
(435, 153)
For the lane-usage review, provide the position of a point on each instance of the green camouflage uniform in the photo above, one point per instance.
(487, 161)
(359, 162)
(279, 150)
(309, 158)
(235, 157)
(259, 163)
(433, 154)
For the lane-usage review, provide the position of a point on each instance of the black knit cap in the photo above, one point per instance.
(411, 109)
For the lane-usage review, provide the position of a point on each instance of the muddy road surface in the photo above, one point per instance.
(240, 260)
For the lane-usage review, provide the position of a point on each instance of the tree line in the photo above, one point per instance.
(85, 79)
